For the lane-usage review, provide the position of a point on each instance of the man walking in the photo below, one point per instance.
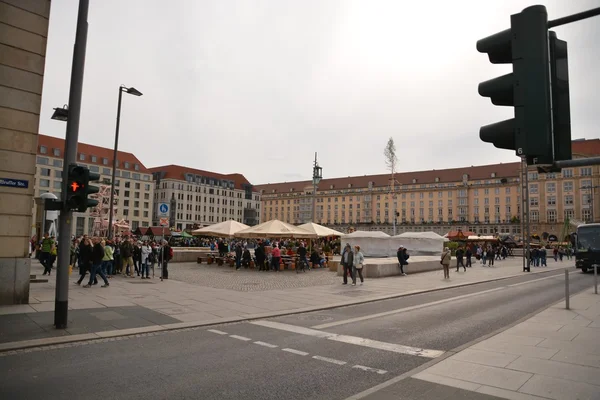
(348, 263)
(45, 257)
(97, 256)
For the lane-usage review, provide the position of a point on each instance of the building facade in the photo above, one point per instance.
(134, 189)
(481, 199)
(22, 59)
(203, 198)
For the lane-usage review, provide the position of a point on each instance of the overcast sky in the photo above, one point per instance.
(257, 87)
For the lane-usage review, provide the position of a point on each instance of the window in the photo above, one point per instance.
(106, 171)
(533, 188)
(45, 171)
(126, 165)
(533, 201)
(136, 167)
(58, 185)
(569, 200)
(44, 183)
(568, 186)
(43, 150)
(125, 174)
(57, 163)
(147, 187)
(42, 160)
(551, 214)
(552, 201)
(569, 213)
(56, 152)
(567, 173)
(58, 173)
(534, 216)
(136, 176)
(586, 171)
(81, 157)
(94, 159)
(105, 161)
(551, 187)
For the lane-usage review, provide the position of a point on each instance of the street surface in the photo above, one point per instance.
(332, 354)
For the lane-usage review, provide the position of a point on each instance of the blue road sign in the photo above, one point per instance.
(15, 183)
(163, 209)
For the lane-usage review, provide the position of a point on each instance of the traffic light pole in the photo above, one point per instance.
(61, 302)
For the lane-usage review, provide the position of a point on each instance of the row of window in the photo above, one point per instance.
(91, 158)
(94, 168)
(568, 201)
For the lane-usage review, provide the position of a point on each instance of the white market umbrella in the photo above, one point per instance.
(320, 230)
(275, 229)
(222, 229)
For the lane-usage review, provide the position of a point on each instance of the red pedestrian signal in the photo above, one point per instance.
(75, 186)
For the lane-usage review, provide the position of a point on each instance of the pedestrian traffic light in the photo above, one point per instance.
(527, 88)
(78, 188)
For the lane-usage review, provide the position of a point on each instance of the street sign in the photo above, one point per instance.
(15, 183)
(164, 222)
(163, 210)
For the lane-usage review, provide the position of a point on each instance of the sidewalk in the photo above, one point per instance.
(553, 355)
(202, 295)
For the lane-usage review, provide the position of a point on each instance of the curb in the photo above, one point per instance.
(25, 344)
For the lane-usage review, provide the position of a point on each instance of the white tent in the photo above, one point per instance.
(320, 230)
(372, 243)
(275, 229)
(419, 243)
(222, 229)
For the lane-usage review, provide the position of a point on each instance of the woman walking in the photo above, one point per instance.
(358, 263)
(445, 261)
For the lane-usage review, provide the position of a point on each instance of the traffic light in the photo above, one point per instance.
(527, 88)
(78, 188)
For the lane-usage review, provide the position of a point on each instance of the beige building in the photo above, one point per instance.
(134, 189)
(202, 198)
(23, 35)
(482, 199)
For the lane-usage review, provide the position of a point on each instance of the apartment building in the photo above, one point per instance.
(201, 198)
(482, 199)
(134, 189)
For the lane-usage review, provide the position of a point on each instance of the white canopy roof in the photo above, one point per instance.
(367, 235)
(320, 230)
(421, 235)
(275, 229)
(222, 229)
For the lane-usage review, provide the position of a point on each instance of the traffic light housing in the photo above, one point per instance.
(527, 88)
(78, 188)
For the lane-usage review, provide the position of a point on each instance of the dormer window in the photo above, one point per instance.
(81, 157)
(136, 167)
(437, 179)
(330, 186)
(493, 175)
(94, 159)
(105, 161)
(56, 152)
(126, 165)
(414, 181)
(465, 177)
(291, 189)
(349, 185)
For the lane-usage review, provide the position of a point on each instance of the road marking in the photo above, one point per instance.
(329, 360)
(358, 341)
(535, 280)
(217, 332)
(369, 369)
(300, 353)
(245, 339)
(269, 345)
(402, 310)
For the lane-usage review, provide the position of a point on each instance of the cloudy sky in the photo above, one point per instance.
(257, 87)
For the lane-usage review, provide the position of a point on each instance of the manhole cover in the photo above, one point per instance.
(354, 293)
(322, 318)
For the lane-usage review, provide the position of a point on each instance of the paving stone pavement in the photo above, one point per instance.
(249, 280)
(553, 355)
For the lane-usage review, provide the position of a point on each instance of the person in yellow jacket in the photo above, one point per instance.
(108, 259)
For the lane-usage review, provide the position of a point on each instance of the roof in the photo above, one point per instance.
(178, 172)
(51, 143)
(483, 172)
(158, 231)
(588, 148)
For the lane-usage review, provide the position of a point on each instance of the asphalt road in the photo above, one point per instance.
(329, 355)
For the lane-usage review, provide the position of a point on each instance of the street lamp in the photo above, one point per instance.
(317, 176)
(135, 92)
(61, 114)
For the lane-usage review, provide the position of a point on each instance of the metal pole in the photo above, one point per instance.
(162, 255)
(393, 204)
(574, 18)
(580, 162)
(567, 297)
(314, 197)
(595, 278)
(114, 168)
(61, 302)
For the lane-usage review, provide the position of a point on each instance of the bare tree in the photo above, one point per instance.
(391, 161)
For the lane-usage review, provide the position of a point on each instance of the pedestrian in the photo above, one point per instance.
(358, 264)
(445, 261)
(47, 246)
(146, 252)
(347, 263)
(97, 256)
(167, 254)
(402, 259)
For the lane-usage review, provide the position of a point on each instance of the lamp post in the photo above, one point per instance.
(591, 188)
(135, 92)
(317, 176)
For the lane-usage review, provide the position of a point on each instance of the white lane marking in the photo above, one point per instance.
(217, 332)
(535, 280)
(300, 353)
(245, 339)
(369, 369)
(265, 344)
(396, 348)
(329, 360)
(402, 310)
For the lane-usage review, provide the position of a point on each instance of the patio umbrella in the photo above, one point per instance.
(320, 230)
(222, 229)
(275, 229)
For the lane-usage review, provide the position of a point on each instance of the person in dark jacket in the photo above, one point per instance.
(238, 256)
(85, 258)
(166, 257)
(259, 254)
(97, 256)
(402, 255)
(347, 263)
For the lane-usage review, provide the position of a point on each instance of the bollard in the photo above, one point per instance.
(595, 278)
(567, 289)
